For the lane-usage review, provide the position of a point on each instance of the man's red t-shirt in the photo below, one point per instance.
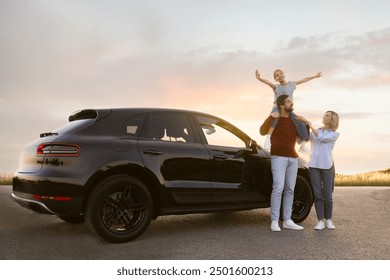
(283, 137)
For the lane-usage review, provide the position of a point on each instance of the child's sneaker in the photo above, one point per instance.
(303, 149)
(267, 143)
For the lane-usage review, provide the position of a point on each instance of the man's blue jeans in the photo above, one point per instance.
(284, 174)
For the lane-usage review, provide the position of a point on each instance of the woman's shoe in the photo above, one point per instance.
(320, 225)
(329, 224)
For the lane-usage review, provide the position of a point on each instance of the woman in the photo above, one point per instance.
(321, 168)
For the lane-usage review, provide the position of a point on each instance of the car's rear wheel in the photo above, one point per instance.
(119, 209)
(303, 200)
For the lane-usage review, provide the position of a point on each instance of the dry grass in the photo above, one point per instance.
(6, 179)
(374, 178)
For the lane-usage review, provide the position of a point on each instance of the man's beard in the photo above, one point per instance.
(291, 109)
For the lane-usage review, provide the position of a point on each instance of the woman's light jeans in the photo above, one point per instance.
(284, 174)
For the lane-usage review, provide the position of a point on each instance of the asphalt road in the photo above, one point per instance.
(361, 216)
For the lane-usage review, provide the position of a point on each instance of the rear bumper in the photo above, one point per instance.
(33, 205)
(72, 207)
(48, 195)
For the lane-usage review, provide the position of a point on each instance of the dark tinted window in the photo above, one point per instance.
(169, 127)
(134, 125)
(82, 115)
(220, 133)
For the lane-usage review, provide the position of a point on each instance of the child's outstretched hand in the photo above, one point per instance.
(319, 74)
(257, 73)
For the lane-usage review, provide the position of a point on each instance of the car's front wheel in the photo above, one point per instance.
(303, 200)
(119, 209)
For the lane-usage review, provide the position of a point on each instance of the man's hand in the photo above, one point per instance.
(275, 115)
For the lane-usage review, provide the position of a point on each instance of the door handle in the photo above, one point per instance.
(152, 152)
(219, 157)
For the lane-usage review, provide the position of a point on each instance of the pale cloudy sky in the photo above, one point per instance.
(57, 57)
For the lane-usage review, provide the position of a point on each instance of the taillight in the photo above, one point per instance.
(62, 150)
(56, 198)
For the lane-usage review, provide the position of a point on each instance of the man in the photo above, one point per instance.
(284, 162)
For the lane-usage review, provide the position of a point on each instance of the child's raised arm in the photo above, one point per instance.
(319, 74)
(257, 73)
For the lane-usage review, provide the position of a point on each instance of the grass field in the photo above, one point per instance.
(375, 178)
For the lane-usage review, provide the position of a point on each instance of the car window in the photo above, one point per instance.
(220, 133)
(170, 127)
(133, 126)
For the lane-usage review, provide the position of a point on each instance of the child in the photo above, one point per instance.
(284, 87)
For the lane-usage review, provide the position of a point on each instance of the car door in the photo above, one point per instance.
(240, 171)
(172, 150)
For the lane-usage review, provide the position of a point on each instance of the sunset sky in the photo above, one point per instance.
(57, 57)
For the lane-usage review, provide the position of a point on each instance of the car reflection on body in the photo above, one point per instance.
(118, 169)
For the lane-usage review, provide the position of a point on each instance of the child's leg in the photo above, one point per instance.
(303, 148)
(267, 142)
(300, 127)
(302, 133)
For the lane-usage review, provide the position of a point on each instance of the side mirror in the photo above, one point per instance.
(253, 149)
(253, 145)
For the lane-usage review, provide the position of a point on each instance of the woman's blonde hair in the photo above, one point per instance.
(334, 123)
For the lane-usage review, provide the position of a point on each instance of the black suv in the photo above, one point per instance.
(120, 168)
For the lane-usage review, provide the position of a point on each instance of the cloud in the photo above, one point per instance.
(380, 138)
(341, 55)
(369, 48)
(357, 116)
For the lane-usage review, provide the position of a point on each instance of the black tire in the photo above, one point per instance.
(72, 219)
(119, 209)
(303, 200)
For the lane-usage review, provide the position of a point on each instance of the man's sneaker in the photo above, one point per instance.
(291, 225)
(329, 224)
(275, 226)
(320, 225)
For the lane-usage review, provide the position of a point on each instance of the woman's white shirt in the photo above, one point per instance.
(321, 148)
